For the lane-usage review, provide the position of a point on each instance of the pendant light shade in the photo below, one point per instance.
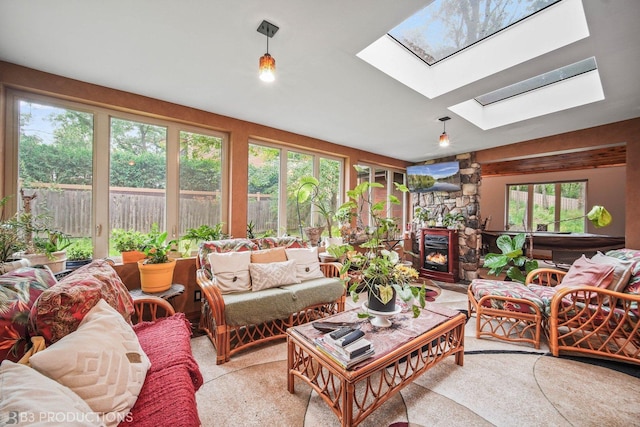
(267, 64)
(444, 138)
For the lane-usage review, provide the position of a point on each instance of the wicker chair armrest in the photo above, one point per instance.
(212, 295)
(332, 269)
(545, 276)
(155, 307)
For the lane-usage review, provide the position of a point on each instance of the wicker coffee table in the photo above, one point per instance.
(404, 351)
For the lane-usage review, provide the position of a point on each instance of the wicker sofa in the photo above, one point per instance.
(585, 319)
(83, 322)
(237, 320)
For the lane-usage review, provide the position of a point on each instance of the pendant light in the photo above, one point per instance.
(444, 138)
(267, 67)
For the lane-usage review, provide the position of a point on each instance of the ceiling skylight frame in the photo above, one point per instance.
(389, 33)
(558, 25)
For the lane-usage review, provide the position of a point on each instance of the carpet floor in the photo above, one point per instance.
(500, 384)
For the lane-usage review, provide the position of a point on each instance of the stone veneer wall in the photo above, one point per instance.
(466, 202)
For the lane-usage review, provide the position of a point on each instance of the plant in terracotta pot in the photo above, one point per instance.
(128, 243)
(156, 269)
(383, 275)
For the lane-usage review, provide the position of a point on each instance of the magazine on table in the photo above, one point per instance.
(341, 360)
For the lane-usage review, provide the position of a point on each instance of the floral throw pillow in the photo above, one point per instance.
(19, 289)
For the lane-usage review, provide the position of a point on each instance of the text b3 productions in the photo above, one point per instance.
(62, 417)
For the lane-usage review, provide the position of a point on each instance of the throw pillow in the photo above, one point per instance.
(30, 398)
(584, 272)
(273, 274)
(231, 271)
(269, 255)
(60, 308)
(19, 289)
(102, 362)
(621, 270)
(307, 263)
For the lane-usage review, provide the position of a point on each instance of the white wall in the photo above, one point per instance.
(605, 186)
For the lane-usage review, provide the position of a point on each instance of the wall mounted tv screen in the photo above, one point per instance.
(434, 177)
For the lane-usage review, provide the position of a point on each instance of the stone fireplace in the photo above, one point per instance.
(465, 202)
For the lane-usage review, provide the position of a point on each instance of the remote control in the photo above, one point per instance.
(340, 333)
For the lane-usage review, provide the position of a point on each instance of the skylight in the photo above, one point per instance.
(557, 25)
(445, 27)
(539, 81)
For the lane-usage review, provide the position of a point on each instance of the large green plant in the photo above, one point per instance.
(127, 240)
(381, 269)
(309, 189)
(512, 258)
(156, 248)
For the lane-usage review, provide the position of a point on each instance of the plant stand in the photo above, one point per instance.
(381, 318)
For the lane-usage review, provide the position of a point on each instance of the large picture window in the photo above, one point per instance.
(557, 207)
(92, 170)
(274, 180)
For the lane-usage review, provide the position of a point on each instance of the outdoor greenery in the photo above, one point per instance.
(127, 240)
(80, 249)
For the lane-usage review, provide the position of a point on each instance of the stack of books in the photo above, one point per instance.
(346, 346)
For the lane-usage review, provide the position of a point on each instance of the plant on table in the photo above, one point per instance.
(156, 248)
(127, 240)
(205, 232)
(382, 273)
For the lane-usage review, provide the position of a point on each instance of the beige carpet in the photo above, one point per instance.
(500, 384)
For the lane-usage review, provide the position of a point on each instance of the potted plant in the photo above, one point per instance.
(156, 269)
(79, 253)
(383, 275)
(128, 243)
(421, 216)
(194, 236)
(512, 258)
(11, 241)
(453, 220)
(310, 189)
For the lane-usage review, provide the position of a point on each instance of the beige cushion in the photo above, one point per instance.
(273, 274)
(231, 270)
(621, 270)
(307, 263)
(33, 399)
(269, 255)
(102, 362)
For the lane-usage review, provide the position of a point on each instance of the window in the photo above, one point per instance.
(276, 171)
(91, 166)
(55, 150)
(557, 207)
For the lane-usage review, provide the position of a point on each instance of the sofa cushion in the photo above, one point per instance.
(621, 270)
(19, 289)
(250, 308)
(307, 262)
(584, 272)
(26, 392)
(269, 255)
(222, 246)
(632, 255)
(272, 274)
(101, 361)
(61, 308)
(484, 287)
(231, 271)
(315, 291)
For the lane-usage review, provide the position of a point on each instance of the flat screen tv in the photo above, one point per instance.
(443, 176)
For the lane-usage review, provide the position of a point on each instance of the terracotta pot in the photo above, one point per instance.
(156, 277)
(131, 256)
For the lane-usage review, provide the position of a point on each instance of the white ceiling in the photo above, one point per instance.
(204, 54)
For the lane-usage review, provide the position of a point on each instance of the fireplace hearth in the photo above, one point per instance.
(439, 254)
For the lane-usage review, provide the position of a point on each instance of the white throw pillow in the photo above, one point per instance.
(273, 274)
(621, 270)
(307, 262)
(231, 270)
(102, 362)
(28, 398)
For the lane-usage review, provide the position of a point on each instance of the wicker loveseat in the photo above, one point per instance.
(235, 320)
(585, 319)
(79, 326)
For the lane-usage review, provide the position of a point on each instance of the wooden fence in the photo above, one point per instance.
(567, 204)
(138, 209)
